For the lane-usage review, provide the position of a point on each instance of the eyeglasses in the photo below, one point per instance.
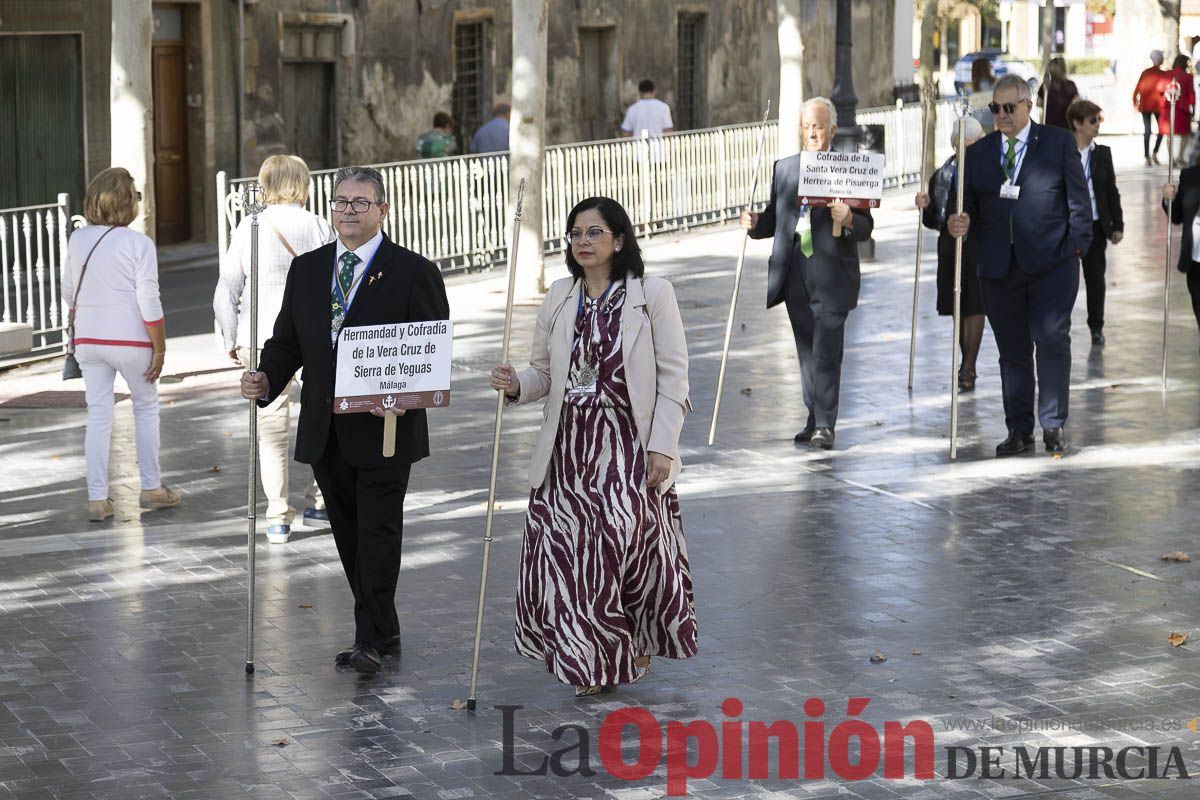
(1007, 108)
(591, 235)
(358, 205)
(1094, 120)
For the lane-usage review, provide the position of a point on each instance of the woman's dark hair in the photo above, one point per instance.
(628, 261)
(1181, 62)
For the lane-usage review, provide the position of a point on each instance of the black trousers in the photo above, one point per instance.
(366, 514)
(1193, 284)
(1028, 312)
(1094, 264)
(819, 338)
(1148, 120)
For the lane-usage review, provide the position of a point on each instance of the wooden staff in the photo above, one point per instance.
(1172, 95)
(737, 281)
(250, 202)
(958, 253)
(491, 501)
(926, 101)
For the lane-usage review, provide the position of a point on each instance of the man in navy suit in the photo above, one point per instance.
(813, 272)
(1027, 199)
(361, 279)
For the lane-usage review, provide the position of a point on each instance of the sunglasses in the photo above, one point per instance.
(1007, 108)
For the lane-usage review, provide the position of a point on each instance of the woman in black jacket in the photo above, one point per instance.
(1186, 197)
(937, 205)
(1108, 223)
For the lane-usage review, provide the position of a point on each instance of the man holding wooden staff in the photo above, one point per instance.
(362, 279)
(1027, 199)
(813, 272)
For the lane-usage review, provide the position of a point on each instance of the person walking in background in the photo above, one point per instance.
(982, 81)
(649, 115)
(111, 280)
(1026, 199)
(937, 205)
(1108, 221)
(438, 142)
(1181, 202)
(286, 229)
(812, 272)
(1148, 100)
(1059, 93)
(1184, 106)
(492, 136)
(604, 581)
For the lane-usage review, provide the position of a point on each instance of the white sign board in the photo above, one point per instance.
(403, 365)
(855, 179)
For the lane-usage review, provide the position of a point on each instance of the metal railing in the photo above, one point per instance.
(33, 249)
(454, 211)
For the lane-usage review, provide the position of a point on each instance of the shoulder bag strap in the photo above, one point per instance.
(282, 240)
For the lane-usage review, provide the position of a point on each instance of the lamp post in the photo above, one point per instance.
(844, 99)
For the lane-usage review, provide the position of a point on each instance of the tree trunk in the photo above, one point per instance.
(527, 133)
(928, 25)
(791, 76)
(131, 101)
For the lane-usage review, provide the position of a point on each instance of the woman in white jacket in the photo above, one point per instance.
(604, 581)
(111, 281)
(286, 229)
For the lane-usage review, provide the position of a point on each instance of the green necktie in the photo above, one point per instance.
(806, 235)
(1010, 168)
(345, 279)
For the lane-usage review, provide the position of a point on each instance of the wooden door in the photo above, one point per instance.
(171, 188)
(308, 112)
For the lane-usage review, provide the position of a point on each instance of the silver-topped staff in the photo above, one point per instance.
(737, 279)
(491, 500)
(252, 204)
(960, 183)
(926, 104)
(1171, 95)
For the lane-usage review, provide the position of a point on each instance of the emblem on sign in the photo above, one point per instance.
(438, 398)
(389, 402)
(344, 404)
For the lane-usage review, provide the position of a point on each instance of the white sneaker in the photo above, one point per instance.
(278, 533)
(162, 497)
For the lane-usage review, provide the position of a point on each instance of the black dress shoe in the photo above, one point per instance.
(392, 648)
(366, 659)
(1098, 337)
(1056, 441)
(822, 438)
(1015, 443)
(804, 436)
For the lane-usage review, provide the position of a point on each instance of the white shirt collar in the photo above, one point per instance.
(1023, 136)
(365, 251)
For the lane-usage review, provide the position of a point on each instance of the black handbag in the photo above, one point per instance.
(71, 368)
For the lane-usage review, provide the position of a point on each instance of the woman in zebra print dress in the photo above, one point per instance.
(604, 582)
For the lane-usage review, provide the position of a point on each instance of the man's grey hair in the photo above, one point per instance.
(970, 126)
(821, 101)
(1013, 82)
(1156, 56)
(364, 174)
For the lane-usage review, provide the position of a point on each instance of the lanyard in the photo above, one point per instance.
(1087, 167)
(344, 293)
(583, 293)
(1019, 157)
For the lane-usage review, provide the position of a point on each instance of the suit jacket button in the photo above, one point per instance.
(328, 400)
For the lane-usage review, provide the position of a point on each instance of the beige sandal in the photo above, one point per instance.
(642, 671)
(588, 691)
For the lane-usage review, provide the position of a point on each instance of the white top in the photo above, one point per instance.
(119, 294)
(303, 230)
(1022, 143)
(648, 115)
(1085, 159)
(1196, 238)
(365, 252)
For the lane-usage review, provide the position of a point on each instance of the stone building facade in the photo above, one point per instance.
(357, 82)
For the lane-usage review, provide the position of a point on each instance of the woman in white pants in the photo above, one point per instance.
(286, 229)
(111, 280)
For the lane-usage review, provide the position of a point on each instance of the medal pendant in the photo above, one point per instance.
(586, 375)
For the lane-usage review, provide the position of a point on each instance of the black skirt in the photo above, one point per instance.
(971, 302)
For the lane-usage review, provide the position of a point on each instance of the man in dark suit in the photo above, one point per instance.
(812, 272)
(361, 279)
(1027, 198)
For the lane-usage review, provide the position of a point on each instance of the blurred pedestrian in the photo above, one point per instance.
(1108, 221)
(1184, 202)
(982, 81)
(1184, 106)
(1148, 100)
(649, 116)
(1059, 93)
(111, 280)
(286, 229)
(492, 136)
(604, 581)
(438, 142)
(937, 205)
